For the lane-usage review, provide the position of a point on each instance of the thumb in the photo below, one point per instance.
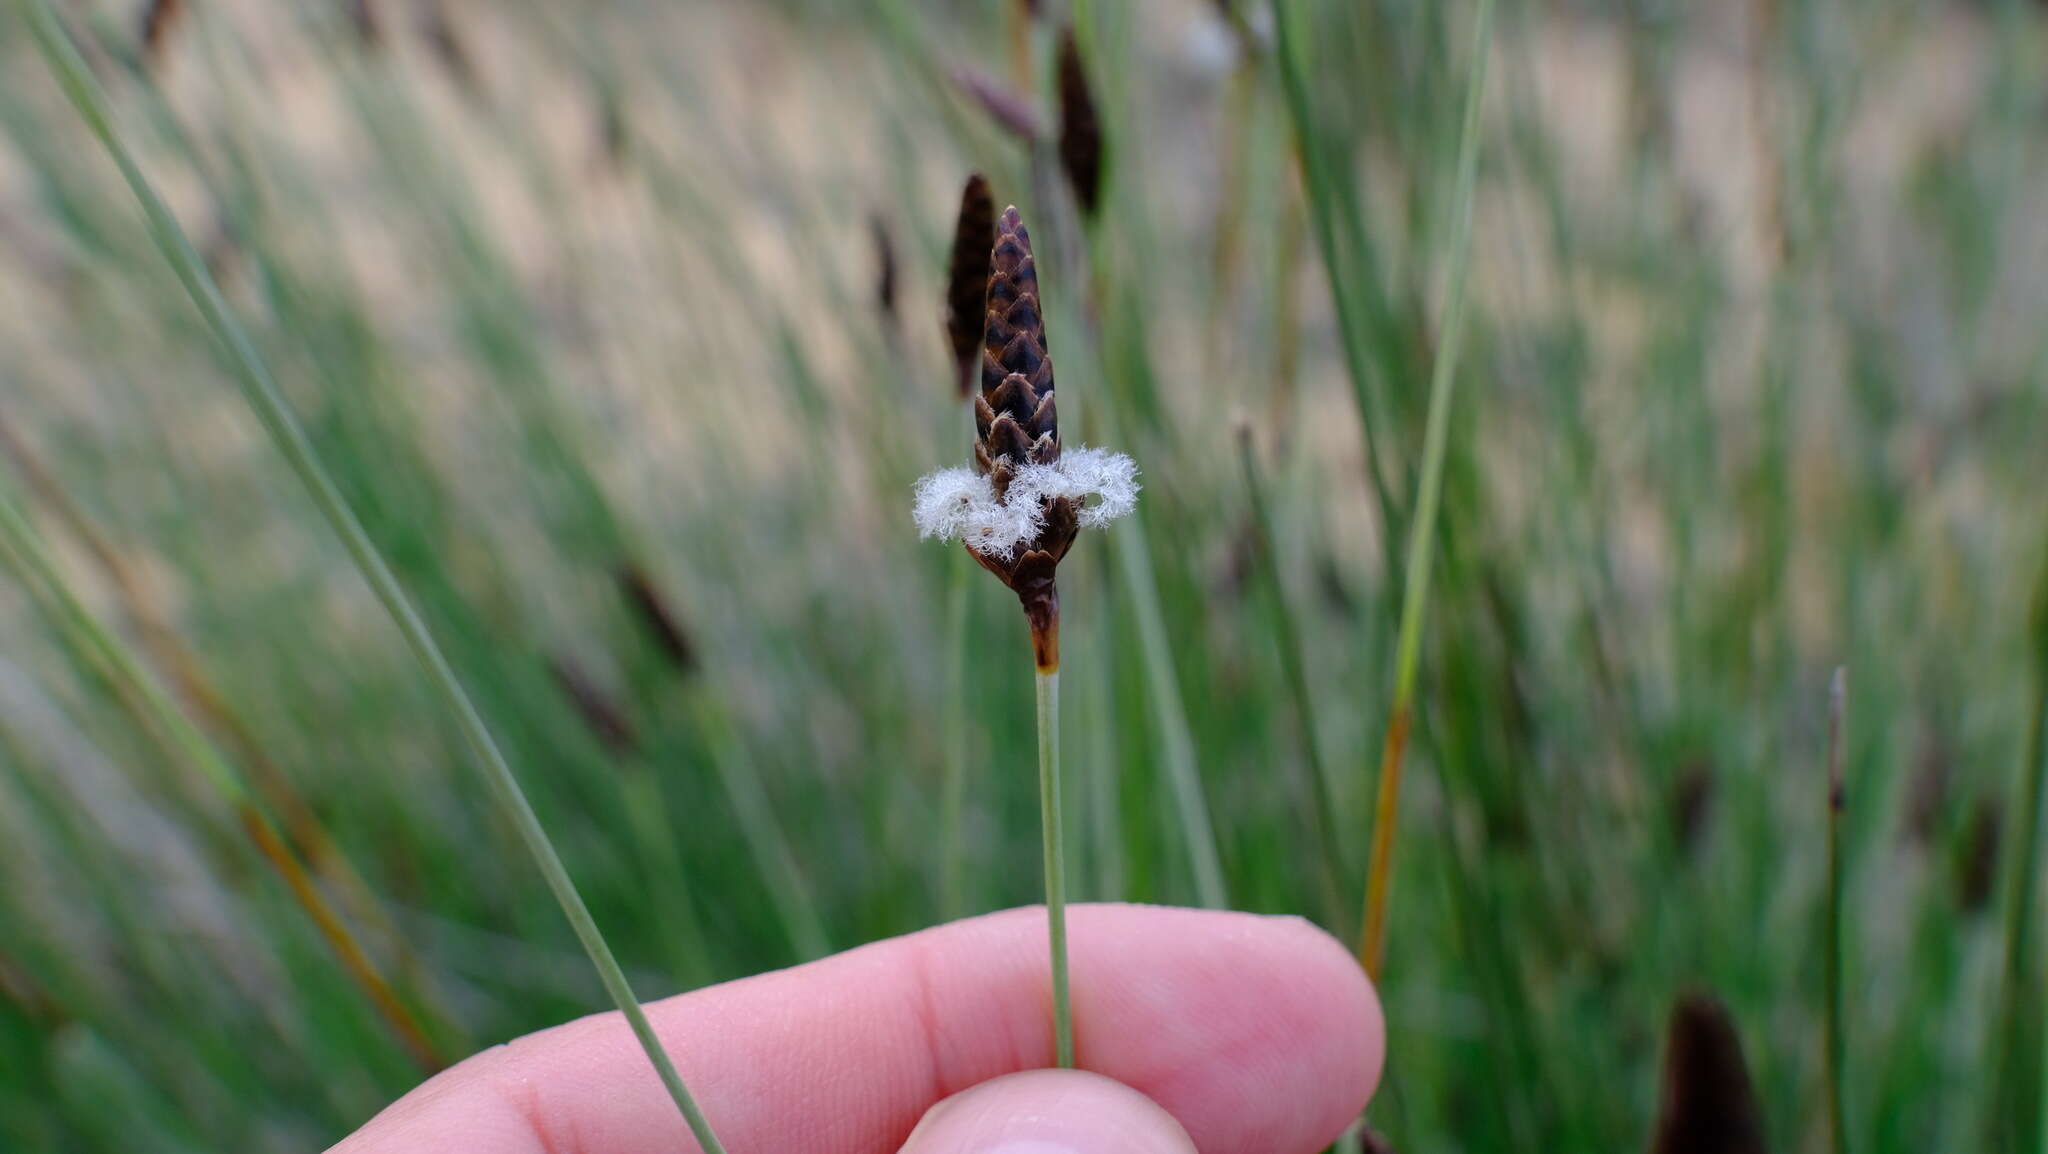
(1048, 1112)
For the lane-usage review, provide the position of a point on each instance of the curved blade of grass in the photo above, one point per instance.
(1134, 562)
(953, 787)
(282, 426)
(1326, 201)
(1054, 823)
(764, 837)
(1838, 691)
(302, 828)
(1316, 798)
(24, 552)
(2016, 1123)
(1065, 247)
(1422, 527)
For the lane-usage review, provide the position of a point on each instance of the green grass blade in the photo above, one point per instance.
(1422, 526)
(22, 550)
(1053, 821)
(1838, 693)
(283, 428)
(2017, 1121)
(1316, 798)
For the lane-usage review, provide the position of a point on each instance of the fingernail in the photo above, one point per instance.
(1049, 1112)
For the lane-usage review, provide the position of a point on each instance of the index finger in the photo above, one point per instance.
(1258, 1034)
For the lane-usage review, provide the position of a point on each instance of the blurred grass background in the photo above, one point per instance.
(581, 304)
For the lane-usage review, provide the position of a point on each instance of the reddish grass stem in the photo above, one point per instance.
(1422, 527)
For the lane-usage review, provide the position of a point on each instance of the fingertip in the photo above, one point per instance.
(1321, 997)
(1049, 1112)
(1262, 1010)
(1352, 997)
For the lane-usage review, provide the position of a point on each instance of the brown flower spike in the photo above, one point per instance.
(1015, 420)
(967, 278)
(1709, 1105)
(1080, 128)
(1020, 508)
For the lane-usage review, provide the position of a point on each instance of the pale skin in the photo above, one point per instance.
(1195, 1030)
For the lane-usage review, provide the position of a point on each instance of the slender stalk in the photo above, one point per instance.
(1319, 178)
(1422, 527)
(153, 707)
(1316, 795)
(1837, 800)
(1022, 67)
(1228, 228)
(1076, 261)
(268, 401)
(2017, 1121)
(304, 832)
(1134, 564)
(654, 836)
(1286, 349)
(1105, 822)
(953, 787)
(764, 836)
(953, 902)
(1055, 858)
(1134, 561)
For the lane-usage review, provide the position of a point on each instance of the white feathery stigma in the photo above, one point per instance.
(961, 503)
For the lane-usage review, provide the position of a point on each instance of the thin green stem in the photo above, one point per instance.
(1316, 798)
(23, 551)
(1105, 824)
(953, 786)
(264, 396)
(1422, 526)
(302, 828)
(1837, 800)
(1134, 562)
(2016, 1122)
(1055, 859)
(1325, 202)
(654, 835)
(1133, 554)
(765, 839)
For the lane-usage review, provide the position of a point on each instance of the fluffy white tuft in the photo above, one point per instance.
(961, 503)
(1081, 473)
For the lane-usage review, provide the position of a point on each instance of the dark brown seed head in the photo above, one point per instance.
(1927, 799)
(607, 721)
(448, 45)
(362, 16)
(1977, 857)
(885, 273)
(653, 612)
(158, 21)
(1015, 425)
(1080, 129)
(1692, 803)
(1002, 103)
(1709, 1106)
(967, 278)
(614, 129)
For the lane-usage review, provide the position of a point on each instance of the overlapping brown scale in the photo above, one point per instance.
(159, 20)
(1016, 416)
(1016, 423)
(967, 277)
(1080, 143)
(1709, 1104)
